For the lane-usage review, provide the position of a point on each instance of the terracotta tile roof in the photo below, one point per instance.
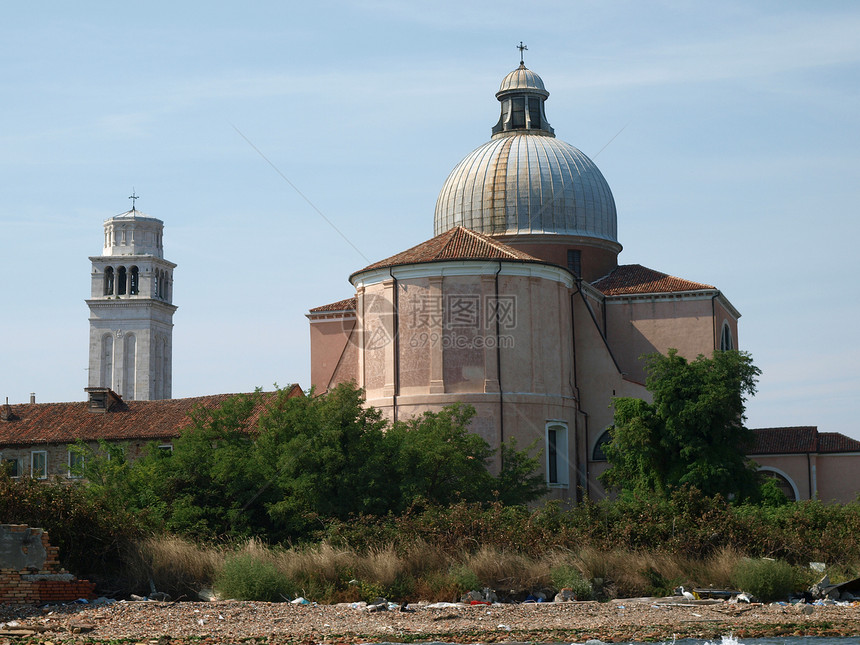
(457, 243)
(628, 279)
(770, 441)
(799, 440)
(836, 442)
(62, 423)
(340, 305)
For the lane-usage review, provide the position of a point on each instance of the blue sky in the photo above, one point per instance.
(737, 164)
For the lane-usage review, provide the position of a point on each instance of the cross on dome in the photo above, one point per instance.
(133, 197)
(522, 49)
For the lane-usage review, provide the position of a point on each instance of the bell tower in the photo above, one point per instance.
(131, 310)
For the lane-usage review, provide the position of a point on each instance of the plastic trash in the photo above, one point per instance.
(300, 601)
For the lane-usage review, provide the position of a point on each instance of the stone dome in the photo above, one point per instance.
(524, 180)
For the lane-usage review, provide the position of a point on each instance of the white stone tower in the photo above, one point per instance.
(131, 314)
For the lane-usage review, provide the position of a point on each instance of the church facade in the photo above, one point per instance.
(518, 305)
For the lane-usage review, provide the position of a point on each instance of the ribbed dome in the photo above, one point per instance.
(525, 180)
(520, 183)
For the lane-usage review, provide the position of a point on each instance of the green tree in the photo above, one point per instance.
(692, 434)
(439, 461)
(327, 457)
(519, 480)
(305, 461)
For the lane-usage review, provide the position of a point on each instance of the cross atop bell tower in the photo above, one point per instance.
(131, 309)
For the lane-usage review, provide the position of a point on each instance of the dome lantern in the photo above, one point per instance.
(522, 95)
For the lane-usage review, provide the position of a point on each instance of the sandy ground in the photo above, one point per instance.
(248, 622)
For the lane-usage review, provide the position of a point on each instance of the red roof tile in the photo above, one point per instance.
(836, 442)
(799, 440)
(628, 279)
(341, 305)
(769, 441)
(61, 423)
(457, 243)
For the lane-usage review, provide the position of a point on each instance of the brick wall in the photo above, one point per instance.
(34, 585)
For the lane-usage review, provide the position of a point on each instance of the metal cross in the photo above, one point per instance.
(522, 48)
(133, 197)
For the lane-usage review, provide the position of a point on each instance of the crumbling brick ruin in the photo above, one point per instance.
(30, 570)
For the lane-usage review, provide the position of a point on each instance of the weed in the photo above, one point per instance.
(247, 577)
(767, 580)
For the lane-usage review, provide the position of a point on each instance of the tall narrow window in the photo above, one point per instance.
(574, 261)
(120, 281)
(519, 112)
(132, 282)
(155, 290)
(109, 281)
(726, 342)
(39, 464)
(557, 462)
(534, 114)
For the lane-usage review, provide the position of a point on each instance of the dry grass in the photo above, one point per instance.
(174, 565)
(424, 571)
(507, 571)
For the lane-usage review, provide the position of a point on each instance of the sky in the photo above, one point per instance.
(286, 145)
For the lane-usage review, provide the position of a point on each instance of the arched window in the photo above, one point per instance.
(132, 283)
(109, 281)
(782, 481)
(120, 281)
(155, 292)
(726, 342)
(598, 454)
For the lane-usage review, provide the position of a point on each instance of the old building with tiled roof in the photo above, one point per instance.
(35, 437)
(517, 305)
(809, 464)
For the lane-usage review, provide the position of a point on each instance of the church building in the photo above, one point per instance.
(518, 305)
(131, 312)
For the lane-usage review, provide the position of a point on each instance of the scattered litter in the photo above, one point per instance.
(444, 605)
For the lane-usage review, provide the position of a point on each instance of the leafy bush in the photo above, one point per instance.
(566, 576)
(245, 577)
(465, 579)
(767, 580)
